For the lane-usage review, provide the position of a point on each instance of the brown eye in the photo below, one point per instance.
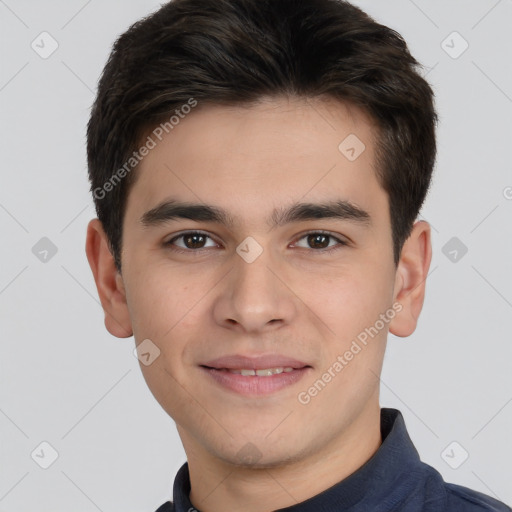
(318, 241)
(192, 240)
(321, 242)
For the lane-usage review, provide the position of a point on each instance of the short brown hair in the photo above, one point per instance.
(237, 51)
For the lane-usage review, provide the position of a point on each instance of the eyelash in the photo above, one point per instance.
(340, 245)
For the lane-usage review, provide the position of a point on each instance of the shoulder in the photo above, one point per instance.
(166, 507)
(465, 499)
(440, 496)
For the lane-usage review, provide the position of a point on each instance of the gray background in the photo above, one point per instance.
(67, 382)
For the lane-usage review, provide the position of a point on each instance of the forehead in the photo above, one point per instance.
(279, 150)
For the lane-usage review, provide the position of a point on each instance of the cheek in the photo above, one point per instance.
(158, 299)
(170, 308)
(347, 303)
(163, 307)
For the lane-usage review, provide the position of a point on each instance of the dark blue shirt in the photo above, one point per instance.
(394, 479)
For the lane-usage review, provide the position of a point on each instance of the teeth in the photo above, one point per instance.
(267, 372)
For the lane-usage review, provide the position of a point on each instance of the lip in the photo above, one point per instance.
(255, 385)
(261, 362)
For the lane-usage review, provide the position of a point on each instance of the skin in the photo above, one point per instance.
(294, 299)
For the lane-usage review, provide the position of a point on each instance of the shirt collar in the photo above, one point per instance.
(373, 483)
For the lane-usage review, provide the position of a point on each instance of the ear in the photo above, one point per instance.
(109, 281)
(411, 276)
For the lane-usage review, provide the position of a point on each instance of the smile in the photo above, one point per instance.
(267, 372)
(251, 382)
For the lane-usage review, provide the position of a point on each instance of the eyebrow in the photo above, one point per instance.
(172, 209)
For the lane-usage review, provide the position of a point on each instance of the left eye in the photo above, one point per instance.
(320, 240)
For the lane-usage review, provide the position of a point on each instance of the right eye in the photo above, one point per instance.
(192, 241)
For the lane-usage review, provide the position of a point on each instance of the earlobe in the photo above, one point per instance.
(109, 282)
(411, 278)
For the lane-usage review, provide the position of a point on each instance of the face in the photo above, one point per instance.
(308, 292)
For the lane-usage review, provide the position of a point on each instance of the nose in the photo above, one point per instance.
(254, 296)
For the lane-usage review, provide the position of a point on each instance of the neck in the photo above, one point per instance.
(217, 486)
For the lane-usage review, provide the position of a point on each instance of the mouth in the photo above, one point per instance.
(263, 372)
(255, 362)
(256, 381)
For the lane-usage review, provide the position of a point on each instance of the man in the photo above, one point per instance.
(257, 168)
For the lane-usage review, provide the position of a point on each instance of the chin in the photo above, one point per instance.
(270, 462)
(262, 455)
